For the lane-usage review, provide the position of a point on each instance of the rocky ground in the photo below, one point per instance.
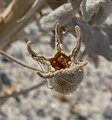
(91, 101)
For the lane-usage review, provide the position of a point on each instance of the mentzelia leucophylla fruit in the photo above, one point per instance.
(66, 75)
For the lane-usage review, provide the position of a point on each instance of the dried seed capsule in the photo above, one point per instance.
(66, 80)
(67, 75)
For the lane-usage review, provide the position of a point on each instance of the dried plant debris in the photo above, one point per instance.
(95, 12)
(64, 75)
(56, 3)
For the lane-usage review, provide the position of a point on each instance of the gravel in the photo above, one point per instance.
(91, 101)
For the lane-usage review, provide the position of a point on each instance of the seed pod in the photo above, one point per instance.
(66, 75)
(66, 81)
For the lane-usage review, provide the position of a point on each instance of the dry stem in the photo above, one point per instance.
(18, 62)
(23, 91)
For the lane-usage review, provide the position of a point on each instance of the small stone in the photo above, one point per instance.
(82, 117)
(5, 79)
(41, 112)
(4, 59)
(56, 118)
(108, 113)
(2, 116)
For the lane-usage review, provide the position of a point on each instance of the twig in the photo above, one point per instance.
(19, 62)
(18, 10)
(95, 12)
(61, 15)
(33, 8)
(75, 4)
(23, 91)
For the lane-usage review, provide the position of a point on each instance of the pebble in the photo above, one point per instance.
(56, 118)
(108, 113)
(43, 104)
(41, 112)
